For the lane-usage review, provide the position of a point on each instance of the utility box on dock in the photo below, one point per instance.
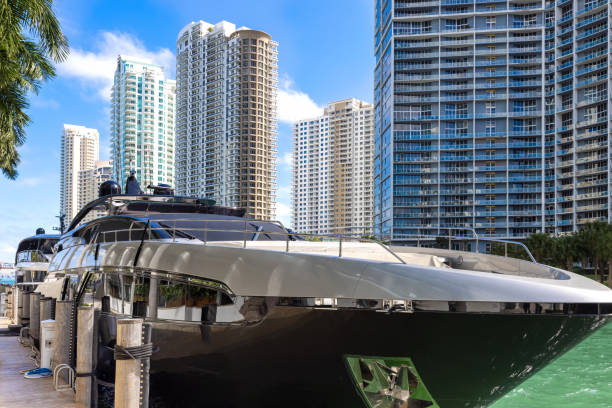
(2, 303)
(48, 334)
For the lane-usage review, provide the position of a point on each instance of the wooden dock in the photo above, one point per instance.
(18, 392)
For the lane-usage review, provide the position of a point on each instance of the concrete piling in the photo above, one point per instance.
(127, 372)
(46, 308)
(35, 317)
(18, 306)
(24, 308)
(63, 319)
(84, 363)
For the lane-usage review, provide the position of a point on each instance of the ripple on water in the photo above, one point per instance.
(579, 379)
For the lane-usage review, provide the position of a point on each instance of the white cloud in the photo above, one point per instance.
(294, 105)
(7, 252)
(29, 181)
(286, 160)
(284, 191)
(96, 68)
(283, 213)
(44, 103)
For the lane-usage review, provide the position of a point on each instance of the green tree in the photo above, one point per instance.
(30, 37)
(601, 247)
(564, 252)
(540, 245)
(510, 250)
(608, 252)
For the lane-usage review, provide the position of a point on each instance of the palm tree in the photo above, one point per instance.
(592, 244)
(564, 252)
(605, 250)
(30, 35)
(540, 245)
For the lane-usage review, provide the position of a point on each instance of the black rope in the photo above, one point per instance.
(134, 352)
(144, 231)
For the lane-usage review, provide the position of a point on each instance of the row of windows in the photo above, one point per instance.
(155, 298)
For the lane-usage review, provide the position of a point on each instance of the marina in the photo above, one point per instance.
(378, 204)
(165, 297)
(15, 391)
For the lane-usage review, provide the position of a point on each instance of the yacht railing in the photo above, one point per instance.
(474, 237)
(248, 235)
(138, 229)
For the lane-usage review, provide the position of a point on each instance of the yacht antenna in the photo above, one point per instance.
(62, 226)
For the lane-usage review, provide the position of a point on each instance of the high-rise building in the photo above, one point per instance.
(227, 82)
(80, 148)
(333, 170)
(142, 122)
(89, 184)
(491, 115)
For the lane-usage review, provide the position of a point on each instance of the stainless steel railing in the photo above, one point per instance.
(475, 237)
(169, 227)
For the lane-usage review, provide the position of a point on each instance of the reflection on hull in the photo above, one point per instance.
(297, 356)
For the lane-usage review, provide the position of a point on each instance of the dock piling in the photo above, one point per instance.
(127, 372)
(85, 320)
(23, 311)
(61, 351)
(35, 318)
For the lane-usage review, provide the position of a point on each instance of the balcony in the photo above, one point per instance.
(590, 32)
(600, 16)
(592, 171)
(521, 24)
(592, 43)
(526, 112)
(592, 7)
(592, 55)
(591, 68)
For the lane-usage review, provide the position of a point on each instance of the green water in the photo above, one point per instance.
(581, 378)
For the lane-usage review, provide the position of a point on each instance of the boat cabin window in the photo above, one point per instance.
(186, 301)
(154, 297)
(35, 250)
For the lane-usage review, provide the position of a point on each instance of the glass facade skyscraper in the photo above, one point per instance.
(142, 122)
(491, 114)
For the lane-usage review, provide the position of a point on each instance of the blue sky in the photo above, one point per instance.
(325, 54)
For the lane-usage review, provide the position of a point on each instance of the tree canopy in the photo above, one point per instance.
(30, 39)
(591, 246)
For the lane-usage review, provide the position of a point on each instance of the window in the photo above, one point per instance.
(491, 22)
(594, 93)
(490, 108)
(191, 301)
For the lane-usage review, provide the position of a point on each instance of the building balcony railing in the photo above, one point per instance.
(592, 80)
(592, 43)
(591, 68)
(599, 16)
(591, 7)
(590, 32)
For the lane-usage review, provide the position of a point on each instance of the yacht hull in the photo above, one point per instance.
(301, 357)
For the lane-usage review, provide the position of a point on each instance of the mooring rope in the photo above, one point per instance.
(134, 352)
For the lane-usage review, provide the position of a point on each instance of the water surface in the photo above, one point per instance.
(581, 378)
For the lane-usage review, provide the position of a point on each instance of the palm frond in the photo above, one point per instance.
(24, 64)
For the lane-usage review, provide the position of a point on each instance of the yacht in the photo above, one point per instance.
(33, 256)
(31, 263)
(247, 313)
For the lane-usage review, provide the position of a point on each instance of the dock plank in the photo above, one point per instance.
(16, 391)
